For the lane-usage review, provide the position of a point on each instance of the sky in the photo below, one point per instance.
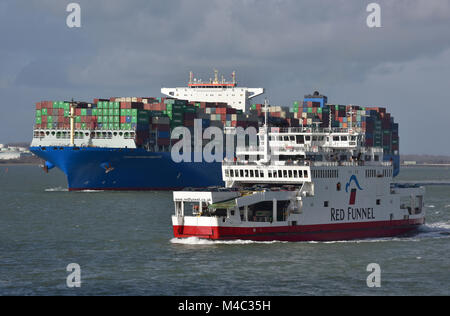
(289, 47)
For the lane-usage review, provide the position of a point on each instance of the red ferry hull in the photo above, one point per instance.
(325, 232)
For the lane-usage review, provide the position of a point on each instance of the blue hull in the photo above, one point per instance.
(128, 169)
(135, 169)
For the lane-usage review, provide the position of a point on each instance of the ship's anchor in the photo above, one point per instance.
(47, 166)
(107, 166)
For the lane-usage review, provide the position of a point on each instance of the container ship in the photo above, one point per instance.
(303, 184)
(124, 143)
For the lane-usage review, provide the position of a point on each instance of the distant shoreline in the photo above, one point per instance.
(427, 165)
(10, 164)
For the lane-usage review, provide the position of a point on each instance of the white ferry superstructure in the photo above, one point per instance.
(302, 184)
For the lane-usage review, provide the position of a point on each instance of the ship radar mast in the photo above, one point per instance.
(266, 133)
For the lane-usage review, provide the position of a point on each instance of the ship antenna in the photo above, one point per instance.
(266, 111)
(266, 132)
(330, 119)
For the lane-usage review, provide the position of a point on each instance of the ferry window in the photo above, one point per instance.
(300, 174)
(376, 158)
(231, 173)
(285, 174)
(344, 138)
(290, 173)
(325, 204)
(308, 138)
(252, 174)
(336, 138)
(274, 173)
(286, 138)
(256, 173)
(269, 173)
(338, 186)
(227, 173)
(378, 202)
(314, 138)
(292, 138)
(305, 173)
(295, 174)
(353, 138)
(261, 173)
(246, 173)
(280, 174)
(241, 173)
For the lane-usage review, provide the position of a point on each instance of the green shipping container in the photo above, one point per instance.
(94, 112)
(44, 111)
(49, 125)
(38, 113)
(83, 112)
(38, 120)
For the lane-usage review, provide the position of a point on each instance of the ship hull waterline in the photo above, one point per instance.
(322, 232)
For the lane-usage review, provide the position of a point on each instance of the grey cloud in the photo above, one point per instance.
(290, 47)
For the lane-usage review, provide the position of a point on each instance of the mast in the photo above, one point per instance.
(72, 123)
(266, 133)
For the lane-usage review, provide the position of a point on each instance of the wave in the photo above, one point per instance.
(57, 189)
(201, 241)
(90, 191)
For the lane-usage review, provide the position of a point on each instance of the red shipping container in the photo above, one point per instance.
(123, 119)
(38, 106)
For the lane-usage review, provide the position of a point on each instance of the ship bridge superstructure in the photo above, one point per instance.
(215, 90)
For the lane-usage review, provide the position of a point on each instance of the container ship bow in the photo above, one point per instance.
(125, 143)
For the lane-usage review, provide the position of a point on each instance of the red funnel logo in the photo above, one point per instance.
(352, 197)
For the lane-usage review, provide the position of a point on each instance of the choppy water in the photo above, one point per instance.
(124, 245)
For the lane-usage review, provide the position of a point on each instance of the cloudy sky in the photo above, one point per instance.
(289, 47)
